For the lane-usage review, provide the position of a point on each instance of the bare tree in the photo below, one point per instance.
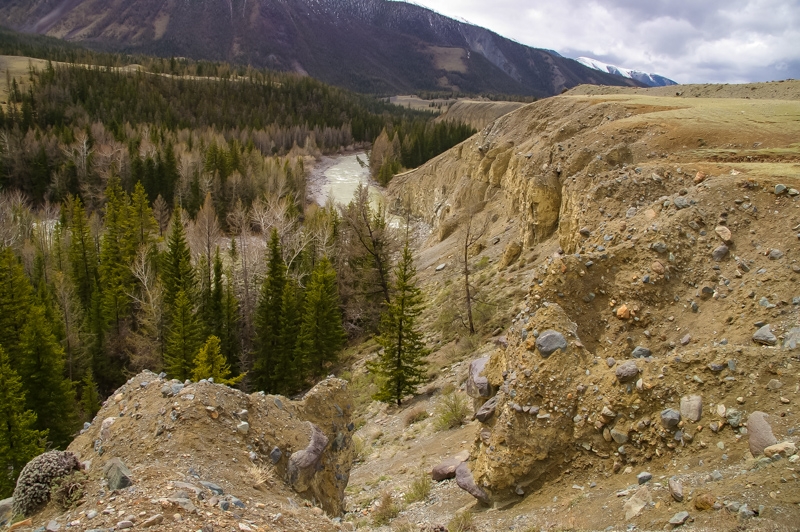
(72, 315)
(16, 220)
(204, 234)
(239, 223)
(471, 234)
(147, 343)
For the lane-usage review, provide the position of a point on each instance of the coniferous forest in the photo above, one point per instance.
(154, 221)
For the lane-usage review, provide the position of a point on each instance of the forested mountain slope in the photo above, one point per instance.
(374, 46)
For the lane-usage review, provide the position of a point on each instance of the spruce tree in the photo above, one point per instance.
(143, 222)
(16, 298)
(289, 367)
(90, 397)
(48, 392)
(19, 440)
(82, 253)
(268, 318)
(231, 333)
(183, 339)
(210, 363)
(177, 272)
(401, 365)
(117, 250)
(321, 332)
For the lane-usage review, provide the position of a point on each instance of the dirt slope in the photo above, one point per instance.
(621, 202)
(478, 114)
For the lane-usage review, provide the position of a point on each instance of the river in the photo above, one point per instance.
(338, 177)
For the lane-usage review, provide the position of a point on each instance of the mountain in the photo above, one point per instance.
(373, 46)
(651, 80)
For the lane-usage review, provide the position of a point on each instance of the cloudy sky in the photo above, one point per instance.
(690, 41)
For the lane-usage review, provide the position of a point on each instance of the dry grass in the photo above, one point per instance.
(420, 487)
(451, 410)
(461, 522)
(385, 511)
(415, 415)
(261, 476)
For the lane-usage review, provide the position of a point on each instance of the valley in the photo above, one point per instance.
(200, 279)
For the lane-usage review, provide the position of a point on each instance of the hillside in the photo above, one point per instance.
(477, 114)
(634, 364)
(373, 46)
(658, 236)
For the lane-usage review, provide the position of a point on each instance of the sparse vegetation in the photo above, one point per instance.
(451, 409)
(385, 510)
(415, 415)
(420, 487)
(461, 522)
(260, 476)
(67, 491)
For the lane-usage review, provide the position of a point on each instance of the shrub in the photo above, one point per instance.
(36, 478)
(451, 410)
(261, 476)
(68, 490)
(385, 511)
(420, 488)
(359, 449)
(415, 415)
(461, 522)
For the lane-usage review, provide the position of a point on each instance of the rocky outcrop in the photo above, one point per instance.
(477, 384)
(303, 464)
(302, 446)
(532, 426)
(513, 175)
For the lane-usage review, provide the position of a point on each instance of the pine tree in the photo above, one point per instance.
(143, 222)
(177, 272)
(401, 365)
(321, 332)
(268, 318)
(16, 298)
(41, 368)
(289, 367)
(183, 339)
(19, 441)
(210, 363)
(117, 251)
(82, 252)
(90, 397)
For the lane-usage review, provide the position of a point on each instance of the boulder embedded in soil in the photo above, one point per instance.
(477, 384)
(446, 469)
(692, 407)
(760, 433)
(117, 474)
(467, 483)
(549, 342)
(487, 410)
(627, 372)
(764, 336)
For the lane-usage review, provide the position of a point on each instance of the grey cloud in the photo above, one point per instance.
(688, 40)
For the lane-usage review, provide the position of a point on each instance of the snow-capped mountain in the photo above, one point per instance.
(651, 80)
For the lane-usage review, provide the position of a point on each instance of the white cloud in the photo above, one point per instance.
(690, 41)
